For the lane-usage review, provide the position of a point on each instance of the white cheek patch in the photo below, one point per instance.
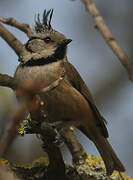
(46, 52)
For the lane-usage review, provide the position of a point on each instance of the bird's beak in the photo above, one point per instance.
(65, 42)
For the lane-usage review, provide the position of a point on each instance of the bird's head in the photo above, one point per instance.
(45, 44)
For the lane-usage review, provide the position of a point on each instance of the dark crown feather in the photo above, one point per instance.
(46, 21)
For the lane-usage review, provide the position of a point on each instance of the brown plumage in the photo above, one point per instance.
(98, 133)
(42, 62)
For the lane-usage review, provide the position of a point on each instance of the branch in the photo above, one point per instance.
(22, 27)
(56, 166)
(12, 41)
(7, 81)
(100, 25)
(93, 169)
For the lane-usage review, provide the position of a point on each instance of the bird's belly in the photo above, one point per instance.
(65, 103)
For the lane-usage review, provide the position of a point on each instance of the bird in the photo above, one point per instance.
(43, 61)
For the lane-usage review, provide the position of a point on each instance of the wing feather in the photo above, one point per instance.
(77, 82)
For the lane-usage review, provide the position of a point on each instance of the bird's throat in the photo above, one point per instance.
(58, 55)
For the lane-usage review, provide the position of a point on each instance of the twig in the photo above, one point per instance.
(12, 41)
(100, 25)
(7, 81)
(22, 27)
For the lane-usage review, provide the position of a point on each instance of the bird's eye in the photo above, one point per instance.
(47, 39)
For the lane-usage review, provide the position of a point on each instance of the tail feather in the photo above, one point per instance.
(117, 163)
(108, 155)
(106, 151)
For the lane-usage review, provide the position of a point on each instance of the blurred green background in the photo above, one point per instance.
(99, 67)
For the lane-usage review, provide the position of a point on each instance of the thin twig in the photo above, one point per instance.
(22, 27)
(12, 41)
(111, 41)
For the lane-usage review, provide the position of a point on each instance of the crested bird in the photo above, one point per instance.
(43, 62)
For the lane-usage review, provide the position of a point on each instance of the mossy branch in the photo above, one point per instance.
(92, 169)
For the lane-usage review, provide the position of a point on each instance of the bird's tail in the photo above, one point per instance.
(108, 155)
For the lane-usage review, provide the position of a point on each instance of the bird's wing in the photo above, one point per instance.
(77, 82)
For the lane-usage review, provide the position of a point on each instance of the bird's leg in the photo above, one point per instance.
(76, 149)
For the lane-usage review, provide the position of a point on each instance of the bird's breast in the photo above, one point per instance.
(40, 76)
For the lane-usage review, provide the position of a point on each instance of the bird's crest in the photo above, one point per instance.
(45, 24)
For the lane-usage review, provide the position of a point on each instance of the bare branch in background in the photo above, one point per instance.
(7, 81)
(22, 27)
(12, 41)
(111, 41)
